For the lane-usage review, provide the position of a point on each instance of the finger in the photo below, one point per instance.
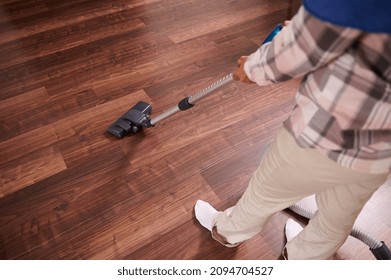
(237, 75)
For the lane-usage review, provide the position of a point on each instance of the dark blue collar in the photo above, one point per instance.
(366, 15)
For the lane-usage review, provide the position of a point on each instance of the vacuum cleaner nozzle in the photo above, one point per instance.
(132, 121)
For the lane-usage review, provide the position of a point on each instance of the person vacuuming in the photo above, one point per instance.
(336, 143)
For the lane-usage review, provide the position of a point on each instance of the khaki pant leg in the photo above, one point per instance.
(338, 209)
(287, 174)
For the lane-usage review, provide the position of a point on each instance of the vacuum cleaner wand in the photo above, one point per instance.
(138, 116)
(188, 102)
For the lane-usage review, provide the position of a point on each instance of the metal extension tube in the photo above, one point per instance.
(192, 100)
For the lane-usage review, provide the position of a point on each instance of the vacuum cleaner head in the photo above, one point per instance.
(132, 121)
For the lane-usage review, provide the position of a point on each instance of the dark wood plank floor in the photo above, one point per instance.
(68, 69)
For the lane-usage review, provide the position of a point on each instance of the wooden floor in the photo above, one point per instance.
(68, 69)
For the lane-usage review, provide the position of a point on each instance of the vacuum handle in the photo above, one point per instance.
(272, 34)
(188, 102)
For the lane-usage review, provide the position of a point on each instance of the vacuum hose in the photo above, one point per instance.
(378, 248)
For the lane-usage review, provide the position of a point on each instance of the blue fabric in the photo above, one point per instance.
(366, 15)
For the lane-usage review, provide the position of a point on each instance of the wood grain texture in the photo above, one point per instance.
(30, 169)
(68, 69)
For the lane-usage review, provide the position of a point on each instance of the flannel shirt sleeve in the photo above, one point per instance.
(303, 46)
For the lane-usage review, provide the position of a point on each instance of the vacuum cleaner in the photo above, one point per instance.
(139, 117)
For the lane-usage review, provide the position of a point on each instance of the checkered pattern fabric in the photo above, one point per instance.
(343, 105)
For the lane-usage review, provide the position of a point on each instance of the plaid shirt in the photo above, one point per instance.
(343, 105)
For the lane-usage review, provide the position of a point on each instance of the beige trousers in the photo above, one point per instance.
(287, 174)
